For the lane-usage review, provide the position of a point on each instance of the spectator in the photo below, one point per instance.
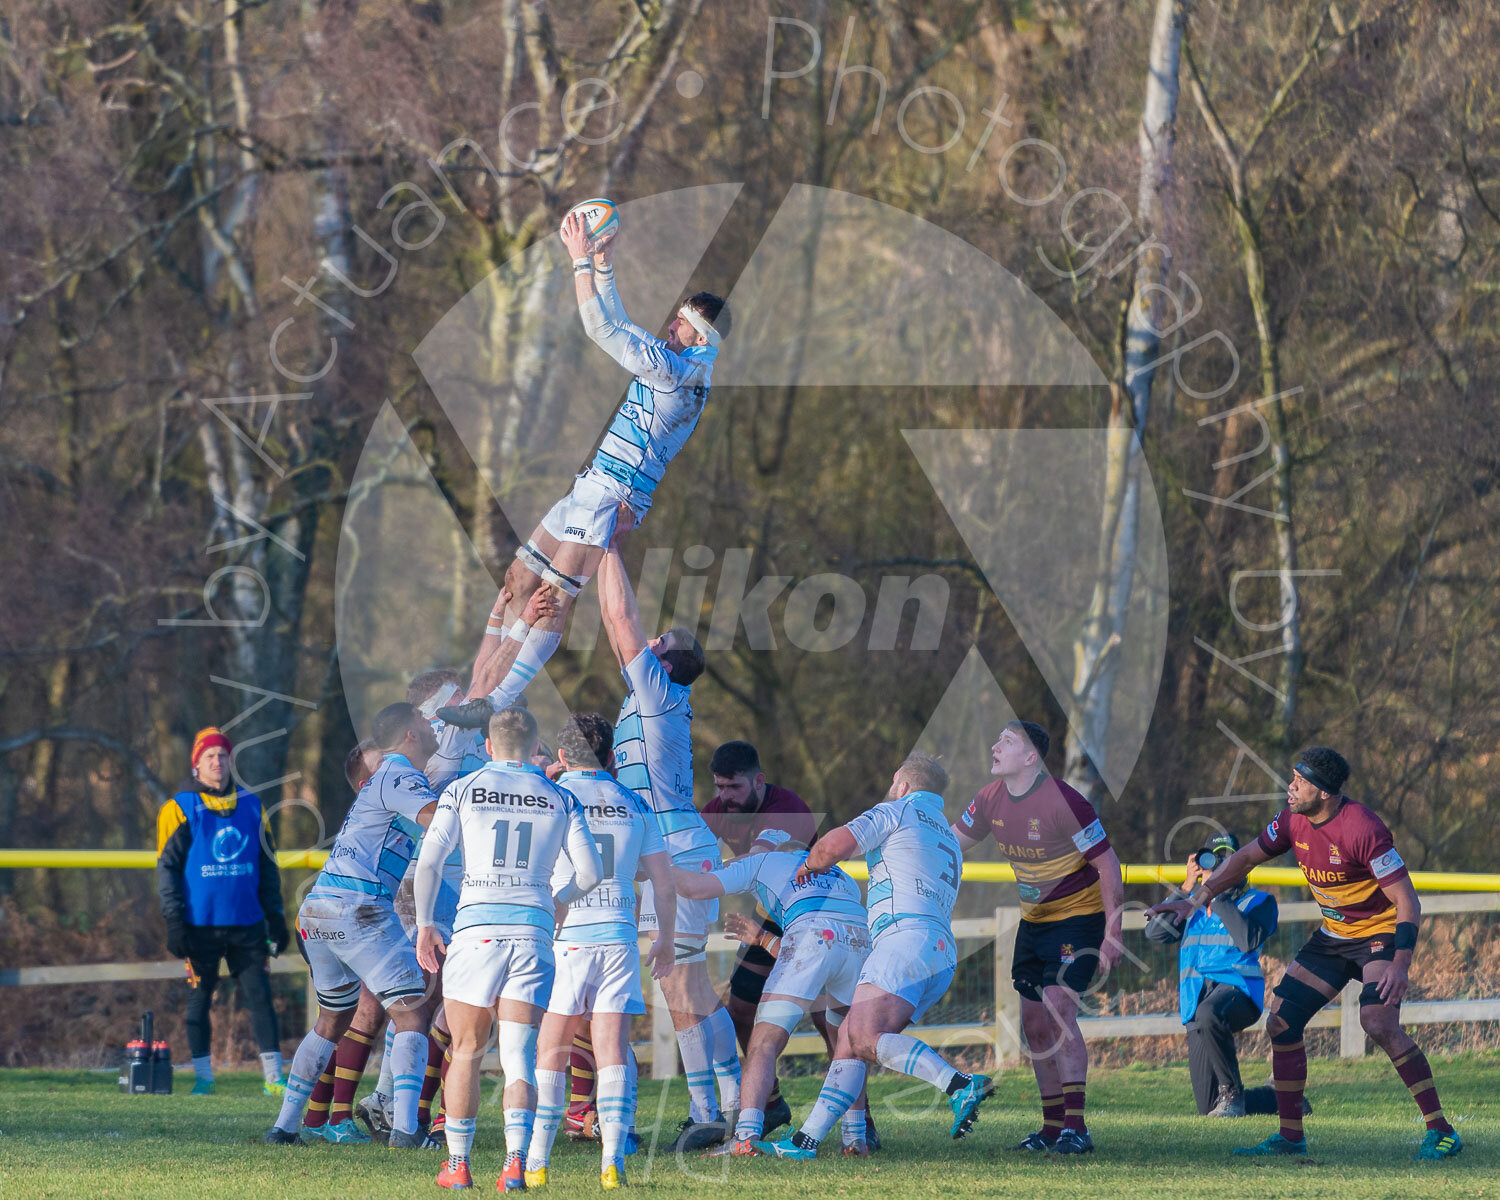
(220, 891)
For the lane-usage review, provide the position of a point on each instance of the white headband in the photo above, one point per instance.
(699, 322)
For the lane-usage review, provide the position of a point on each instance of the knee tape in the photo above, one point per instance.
(833, 1018)
(784, 1014)
(518, 1052)
(540, 565)
(340, 999)
(1299, 1003)
(1369, 995)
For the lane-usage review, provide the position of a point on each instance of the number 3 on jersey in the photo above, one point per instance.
(523, 844)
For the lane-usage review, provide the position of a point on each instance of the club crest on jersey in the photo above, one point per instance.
(1376, 946)
(1066, 953)
(1333, 857)
(1034, 829)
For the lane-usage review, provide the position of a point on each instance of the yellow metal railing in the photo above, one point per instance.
(974, 872)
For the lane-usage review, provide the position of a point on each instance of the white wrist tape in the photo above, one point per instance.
(519, 631)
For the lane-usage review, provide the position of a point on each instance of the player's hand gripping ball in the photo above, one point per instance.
(600, 217)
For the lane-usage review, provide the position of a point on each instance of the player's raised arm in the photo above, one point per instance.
(617, 603)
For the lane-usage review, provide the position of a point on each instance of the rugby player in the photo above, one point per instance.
(914, 863)
(820, 954)
(654, 759)
(1072, 896)
(512, 823)
(351, 932)
(330, 1106)
(1369, 931)
(743, 807)
(598, 975)
(660, 410)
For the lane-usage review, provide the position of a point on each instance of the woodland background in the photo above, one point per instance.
(1333, 190)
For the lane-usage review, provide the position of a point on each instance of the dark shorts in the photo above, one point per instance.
(241, 946)
(751, 968)
(1337, 960)
(1057, 953)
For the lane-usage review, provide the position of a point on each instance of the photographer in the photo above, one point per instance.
(1221, 988)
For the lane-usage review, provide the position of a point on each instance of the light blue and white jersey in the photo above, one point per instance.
(914, 862)
(772, 877)
(460, 752)
(661, 407)
(624, 831)
(513, 824)
(379, 836)
(654, 756)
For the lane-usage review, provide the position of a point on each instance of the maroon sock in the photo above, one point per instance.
(348, 1065)
(437, 1045)
(1073, 1107)
(1289, 1071)
(1052, 1116)
(1417, 1075)
(316, 1115)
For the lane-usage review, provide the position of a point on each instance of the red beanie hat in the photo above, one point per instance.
(208, 738)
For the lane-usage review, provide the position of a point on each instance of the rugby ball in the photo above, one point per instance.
(600, 216)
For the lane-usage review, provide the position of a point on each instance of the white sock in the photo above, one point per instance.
(841, 1088)
(897, 1052)
(310, 1061)
(408, 1067)
(854, 1128)
(203, 1068)
(538, 648)
(517, 1131)
(615, 1111)
(270, 1066)
(551, 1103)
(696, 1044)
(751, 1124)
(386, 1084)
(726, 1060)
(460, 1134)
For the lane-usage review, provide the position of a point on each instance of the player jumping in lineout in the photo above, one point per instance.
(660, 411)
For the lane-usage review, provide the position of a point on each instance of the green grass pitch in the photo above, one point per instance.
(73, 1134)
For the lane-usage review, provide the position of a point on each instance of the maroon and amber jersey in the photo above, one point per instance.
(1051, 836)
(1346, 859)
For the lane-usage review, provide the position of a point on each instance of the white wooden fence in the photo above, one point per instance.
(1004, 1034)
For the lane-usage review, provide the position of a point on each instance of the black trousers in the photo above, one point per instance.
(1213, 1063)
(243, 947)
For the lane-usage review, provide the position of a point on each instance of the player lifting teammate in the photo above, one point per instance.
(1369, 930)
(914, 865)
(1071, 908)
(660, 411)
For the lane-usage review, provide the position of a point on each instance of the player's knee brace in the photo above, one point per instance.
(784, 1014)
(518, 1052)
(1297, 1005)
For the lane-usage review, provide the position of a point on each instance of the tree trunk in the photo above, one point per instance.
(1096, 658)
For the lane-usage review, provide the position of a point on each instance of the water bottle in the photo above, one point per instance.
(137, 1079)
(161, 1068)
